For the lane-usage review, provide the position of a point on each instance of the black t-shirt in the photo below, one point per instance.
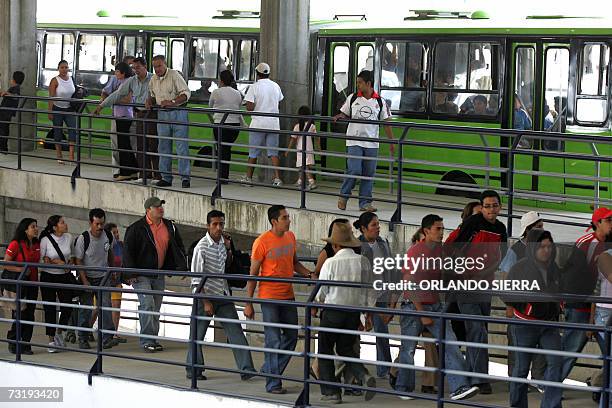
(9, 102)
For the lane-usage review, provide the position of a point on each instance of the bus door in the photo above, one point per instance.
(538, 101)
(173, 48)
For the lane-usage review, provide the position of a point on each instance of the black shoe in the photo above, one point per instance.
(109, 343)
(84, 345)
(27, 350)
(428, 389)
(186, 184)
(149, 348)
(158, 347)
(246, 377)
(163, 183)
(485, 388)
(199, 377)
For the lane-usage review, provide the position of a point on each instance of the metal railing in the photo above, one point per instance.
(399, 175)
(308, 330)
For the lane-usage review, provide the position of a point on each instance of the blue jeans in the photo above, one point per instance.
(279, 339)
(476, 332)
(412, 326)
(61, 116)
(573, 340)
(359, 167)
(178, 134)
(149, 324)
(531, 337)
(84, 315)
(383, 351)
(603, 317)
(233, 331)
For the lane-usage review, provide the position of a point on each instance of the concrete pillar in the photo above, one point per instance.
(3, 235)
(18, 53)
(284, 45)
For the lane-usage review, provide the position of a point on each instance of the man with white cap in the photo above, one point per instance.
(518, 251)
(344, 266)
(263, 96)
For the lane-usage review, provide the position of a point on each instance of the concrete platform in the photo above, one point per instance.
(44, 180)
(230, 384)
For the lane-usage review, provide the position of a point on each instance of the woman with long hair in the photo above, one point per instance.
(123, 121)
(24, 247)
(56, 249)
(60, 112)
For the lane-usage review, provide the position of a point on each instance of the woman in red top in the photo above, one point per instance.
(24, 247)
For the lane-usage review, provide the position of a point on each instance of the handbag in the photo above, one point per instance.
(80, 92)
(240, 265)
(6, 274)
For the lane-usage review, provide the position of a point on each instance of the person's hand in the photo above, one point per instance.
(249, 312)
(208, 308)
(166, 103)
(338, 116)
(85, 282)
(97, 110)
(50, 116)
(509, 312)
(286, 153)
(314, 312)
(386, 318)
(227, 238)
(392, 149)
(148, 104)
(58, 262)
(426, 321)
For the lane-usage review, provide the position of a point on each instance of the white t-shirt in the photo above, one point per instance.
(226, 97)
(364, 109)
(605, 288)
(47, 250)
(266, 95)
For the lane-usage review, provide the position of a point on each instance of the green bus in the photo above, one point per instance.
(460, 69)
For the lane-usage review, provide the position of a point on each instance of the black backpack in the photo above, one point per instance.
(241, 264)
(87, 239)
(80, 92)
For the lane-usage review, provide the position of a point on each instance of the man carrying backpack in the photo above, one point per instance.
(212, 255)
(94, 248)
(366, 104)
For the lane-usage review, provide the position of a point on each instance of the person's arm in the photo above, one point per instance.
(320, 261)
(604, 263)
(249, 98)
(13, 248)
(181, 89)
(52, 93)
(122, 92)
(292, 141)
(301, 269)
(249, 312)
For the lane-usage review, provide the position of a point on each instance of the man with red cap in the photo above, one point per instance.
(590, 245)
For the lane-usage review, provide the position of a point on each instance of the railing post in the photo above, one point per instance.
(100, 324)
(304, 399)
(19, 133)
(144, 147)
(193, 332)
(605, 395)
(218, 132)
(396, 218)
(18, 328)
(441, 361)
(303, 166)
(510, 177)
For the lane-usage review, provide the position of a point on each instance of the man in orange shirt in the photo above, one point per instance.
(274, 255)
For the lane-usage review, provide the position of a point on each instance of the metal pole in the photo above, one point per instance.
(303, 167)
(510, 177)
(605, 395)
(144, 148)
(19, 133)
(441, 361)
(396, 218)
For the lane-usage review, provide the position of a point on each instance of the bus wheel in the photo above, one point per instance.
(456, 176)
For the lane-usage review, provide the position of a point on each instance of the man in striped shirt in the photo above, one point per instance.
(210, 256)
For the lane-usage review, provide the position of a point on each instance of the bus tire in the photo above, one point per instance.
(457, 176)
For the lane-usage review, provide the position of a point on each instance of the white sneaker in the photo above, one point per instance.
(52, 350)
(312, 184)
(59, 340)
(247, 181)
(405, 397)
(139, 181)
(277, 182)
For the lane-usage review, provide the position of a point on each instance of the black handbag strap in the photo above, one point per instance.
(57, 248)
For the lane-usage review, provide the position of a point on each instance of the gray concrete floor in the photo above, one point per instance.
(94, 168)
(229, 383)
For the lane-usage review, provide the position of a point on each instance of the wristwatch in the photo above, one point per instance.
(174, 101)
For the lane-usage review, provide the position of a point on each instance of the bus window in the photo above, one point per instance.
(524, 75)
(555, 88)
(245, 67)
(464, 81)
(591, 99)
(402, 80)
(341, 86)
(209, 56)
(159, 48)
(365, 57)
(133, 45)
(178, 50)
(57, 47)
(97, 53)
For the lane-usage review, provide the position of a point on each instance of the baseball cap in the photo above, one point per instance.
(153, 202)
(528, 219)
(600, 214)
(263, 68)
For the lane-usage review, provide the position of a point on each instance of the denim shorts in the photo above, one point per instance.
(258, 140)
